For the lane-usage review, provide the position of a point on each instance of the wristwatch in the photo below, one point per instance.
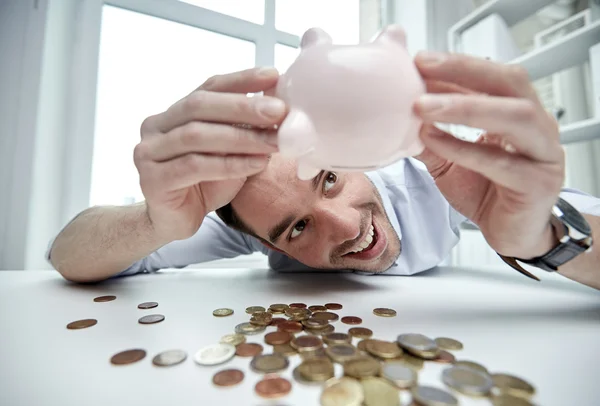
(573, 233)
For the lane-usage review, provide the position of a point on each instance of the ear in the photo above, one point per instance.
(272, 247)
(392, 33)
(315, 36)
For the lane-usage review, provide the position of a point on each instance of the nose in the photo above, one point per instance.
(340, 223)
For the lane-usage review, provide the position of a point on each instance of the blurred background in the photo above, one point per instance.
(77, 77)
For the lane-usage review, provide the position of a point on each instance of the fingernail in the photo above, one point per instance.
(269, 138)
(433, 103)
(270, 107)
(430, 57)
(267, 71)
(257, 162)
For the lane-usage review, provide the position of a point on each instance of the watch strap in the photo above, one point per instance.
(512, 262)
(562, 253)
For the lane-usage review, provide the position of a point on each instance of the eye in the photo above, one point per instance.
(329, 181)
(298, 228)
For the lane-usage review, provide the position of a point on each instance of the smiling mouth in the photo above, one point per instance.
(367, 243)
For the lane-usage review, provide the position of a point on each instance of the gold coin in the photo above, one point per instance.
(269, 363)
(297, 314)
(337, 338)
(383, 349)
(399, 374)
(430, 396)
(384, 312)
(315, 323)
(306, 343)
(419, 345)
(318, 353)
(344, 391)
(467, 381)
(449, 344)
(379, 392)
(249, 329)
(513, 385)
(320, 331)
(317, 308)
(509, 400)
(328, 316)
(316, 369)
(278, 307)
(300, 379)
(360, 332)
(412, 361)
(233, 339)
(254, 309)
(261, 318)
(362, 345)
(284, 349)
(362, 367)
(224, 312)
(341, 352)
(472, 365)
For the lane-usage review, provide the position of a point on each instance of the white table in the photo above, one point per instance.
(548, 333)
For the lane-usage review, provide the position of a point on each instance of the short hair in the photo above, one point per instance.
(231, 219)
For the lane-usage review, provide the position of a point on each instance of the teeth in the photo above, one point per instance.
(371, 230)
(368, 240)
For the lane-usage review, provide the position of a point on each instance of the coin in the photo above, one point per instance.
(306, 343)
(151, 319)
(430, 396)
(444, 357)
(316, 369)
(317, 308)
(315, 323)
(147, 305)
(128, 357)
(472, 365)
(228, 377)
(384, 312)
(351, 320)
(334, 306)
(449, 344)
(297, 314)
(509, 400)
(513, 385)
(379, 392)
(360, 332)
(343, 391)
(273, 387)
(328, 316)
(362, 367)
(248, 329)
(383, 349)
(169, 358)
(276, 321)
(248, 349)
(261, 318)
(284, 349)
(300, 379)
(215, 354)
(290, 327)
(341, 352)
(278, 307)
(318, 353)
(399, 374)
(254, 309)
(320, 331)
(109, 298)
(362, 345)
(233, 339)
(337, 338)
(222, 312)
(79, 324)
(269, 363)
(278, 337)
(412, 361)
(419, 345)
(467, 381)
(298, 305)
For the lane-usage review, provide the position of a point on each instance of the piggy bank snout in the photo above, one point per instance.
(296, 134)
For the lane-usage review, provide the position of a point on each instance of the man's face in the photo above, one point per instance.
(334, 221)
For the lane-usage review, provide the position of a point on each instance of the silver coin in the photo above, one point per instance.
(430, 396)
(249, 329)
(399, 374)
(417, 341)
(215, 354)
(467, 381)
(151, 319)
(170, 357)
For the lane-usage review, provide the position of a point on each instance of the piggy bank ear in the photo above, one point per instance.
(315, 36)
(392, 33)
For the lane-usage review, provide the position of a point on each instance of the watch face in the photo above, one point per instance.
(573, 218)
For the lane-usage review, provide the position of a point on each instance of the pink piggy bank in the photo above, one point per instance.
(351, 106)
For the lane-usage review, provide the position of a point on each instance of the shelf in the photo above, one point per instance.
(584, 130)
(570, 50)
(512, 11)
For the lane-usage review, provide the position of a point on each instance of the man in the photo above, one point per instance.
(194, 160)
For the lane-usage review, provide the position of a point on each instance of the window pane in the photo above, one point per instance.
(340, 18)
(249, 10)
(143, 71)
(284, 56)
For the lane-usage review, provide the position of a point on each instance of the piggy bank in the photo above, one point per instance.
(351, 106)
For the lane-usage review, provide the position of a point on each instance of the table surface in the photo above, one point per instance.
(547, 333)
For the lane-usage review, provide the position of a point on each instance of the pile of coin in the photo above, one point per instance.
(375, 372)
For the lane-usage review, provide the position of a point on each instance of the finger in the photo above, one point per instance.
(191, 169)
(476, 74)
(229, 108)
(512, 171)
(247, 81)
(435, 164)
(519, 121)
(438, 86)
(201, 137)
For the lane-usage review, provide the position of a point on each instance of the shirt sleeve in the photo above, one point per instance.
(583, 202)
(214, 240)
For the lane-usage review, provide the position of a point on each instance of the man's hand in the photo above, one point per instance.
(508, 181)
(193, 159)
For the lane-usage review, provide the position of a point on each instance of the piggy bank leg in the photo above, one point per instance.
(306, 172)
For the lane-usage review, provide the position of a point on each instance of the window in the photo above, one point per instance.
(143, 71)
(250, 10)
(284, 56)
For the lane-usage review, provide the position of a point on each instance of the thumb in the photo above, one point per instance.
(432, 161)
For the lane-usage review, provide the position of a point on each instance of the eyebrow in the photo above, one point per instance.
(275, 232)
